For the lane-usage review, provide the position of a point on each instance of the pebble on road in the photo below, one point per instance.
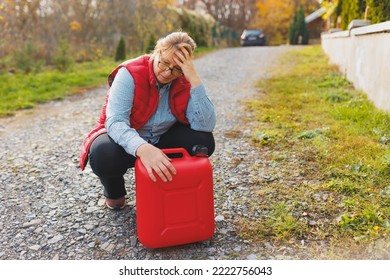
(49, 209)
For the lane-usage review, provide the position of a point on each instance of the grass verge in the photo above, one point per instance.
(327, 148)
(23, 91)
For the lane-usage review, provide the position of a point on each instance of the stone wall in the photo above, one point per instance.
(363, 55)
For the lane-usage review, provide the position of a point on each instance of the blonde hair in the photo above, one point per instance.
(173, 42)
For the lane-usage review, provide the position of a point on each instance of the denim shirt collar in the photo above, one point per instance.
(163, 87)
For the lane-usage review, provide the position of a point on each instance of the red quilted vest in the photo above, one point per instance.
(145, 102)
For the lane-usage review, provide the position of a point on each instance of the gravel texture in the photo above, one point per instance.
(49, 209)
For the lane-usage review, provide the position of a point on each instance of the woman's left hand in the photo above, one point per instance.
(183, 59)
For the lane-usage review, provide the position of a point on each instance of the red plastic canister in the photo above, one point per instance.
(177, 212)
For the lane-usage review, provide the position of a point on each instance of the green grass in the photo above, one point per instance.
(332, 147)
(22, 91)
(200, 51)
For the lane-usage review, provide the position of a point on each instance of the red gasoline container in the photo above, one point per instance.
(177, 212)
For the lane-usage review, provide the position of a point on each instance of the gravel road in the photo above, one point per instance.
(49, 209)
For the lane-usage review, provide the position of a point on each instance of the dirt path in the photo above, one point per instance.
(49, 209)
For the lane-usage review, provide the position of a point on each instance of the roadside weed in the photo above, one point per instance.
(332, 149)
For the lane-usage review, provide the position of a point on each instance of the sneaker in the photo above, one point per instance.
(116, 204)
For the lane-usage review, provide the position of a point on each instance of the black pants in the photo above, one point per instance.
(109, 161)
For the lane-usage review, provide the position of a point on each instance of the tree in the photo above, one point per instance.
(120, 50)
(151, 44)
(379, 10)
(234, 14)
(293, 31)
(347, 10)
(298, 33)
(302, 27)
(350, 10)
(274, 16)
(196, 25)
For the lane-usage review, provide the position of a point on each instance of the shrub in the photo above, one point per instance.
(198, 26)
(25, 58)
(151, 44)
(120, 50)
(63, 58)
(379, 10)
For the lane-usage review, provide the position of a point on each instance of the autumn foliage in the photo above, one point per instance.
(276, 16)
(91, 29)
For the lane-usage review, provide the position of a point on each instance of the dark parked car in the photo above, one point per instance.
(253, 37)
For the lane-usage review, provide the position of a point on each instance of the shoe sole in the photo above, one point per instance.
(116, 207)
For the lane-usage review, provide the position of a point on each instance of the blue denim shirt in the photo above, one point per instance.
(200, 113)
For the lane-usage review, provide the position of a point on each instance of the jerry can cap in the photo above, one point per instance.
(200, 151)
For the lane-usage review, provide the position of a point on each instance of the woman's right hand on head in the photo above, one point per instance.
(156, 160)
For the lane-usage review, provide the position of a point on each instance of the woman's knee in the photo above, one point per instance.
(108, 159)
(181, 135)
(207, 139)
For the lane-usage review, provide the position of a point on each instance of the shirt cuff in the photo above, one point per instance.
(135, 143)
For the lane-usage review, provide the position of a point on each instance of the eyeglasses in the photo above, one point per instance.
(175, 71)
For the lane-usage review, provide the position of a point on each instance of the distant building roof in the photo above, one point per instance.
(315, 15)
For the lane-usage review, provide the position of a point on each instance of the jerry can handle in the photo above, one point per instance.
(176, 151)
